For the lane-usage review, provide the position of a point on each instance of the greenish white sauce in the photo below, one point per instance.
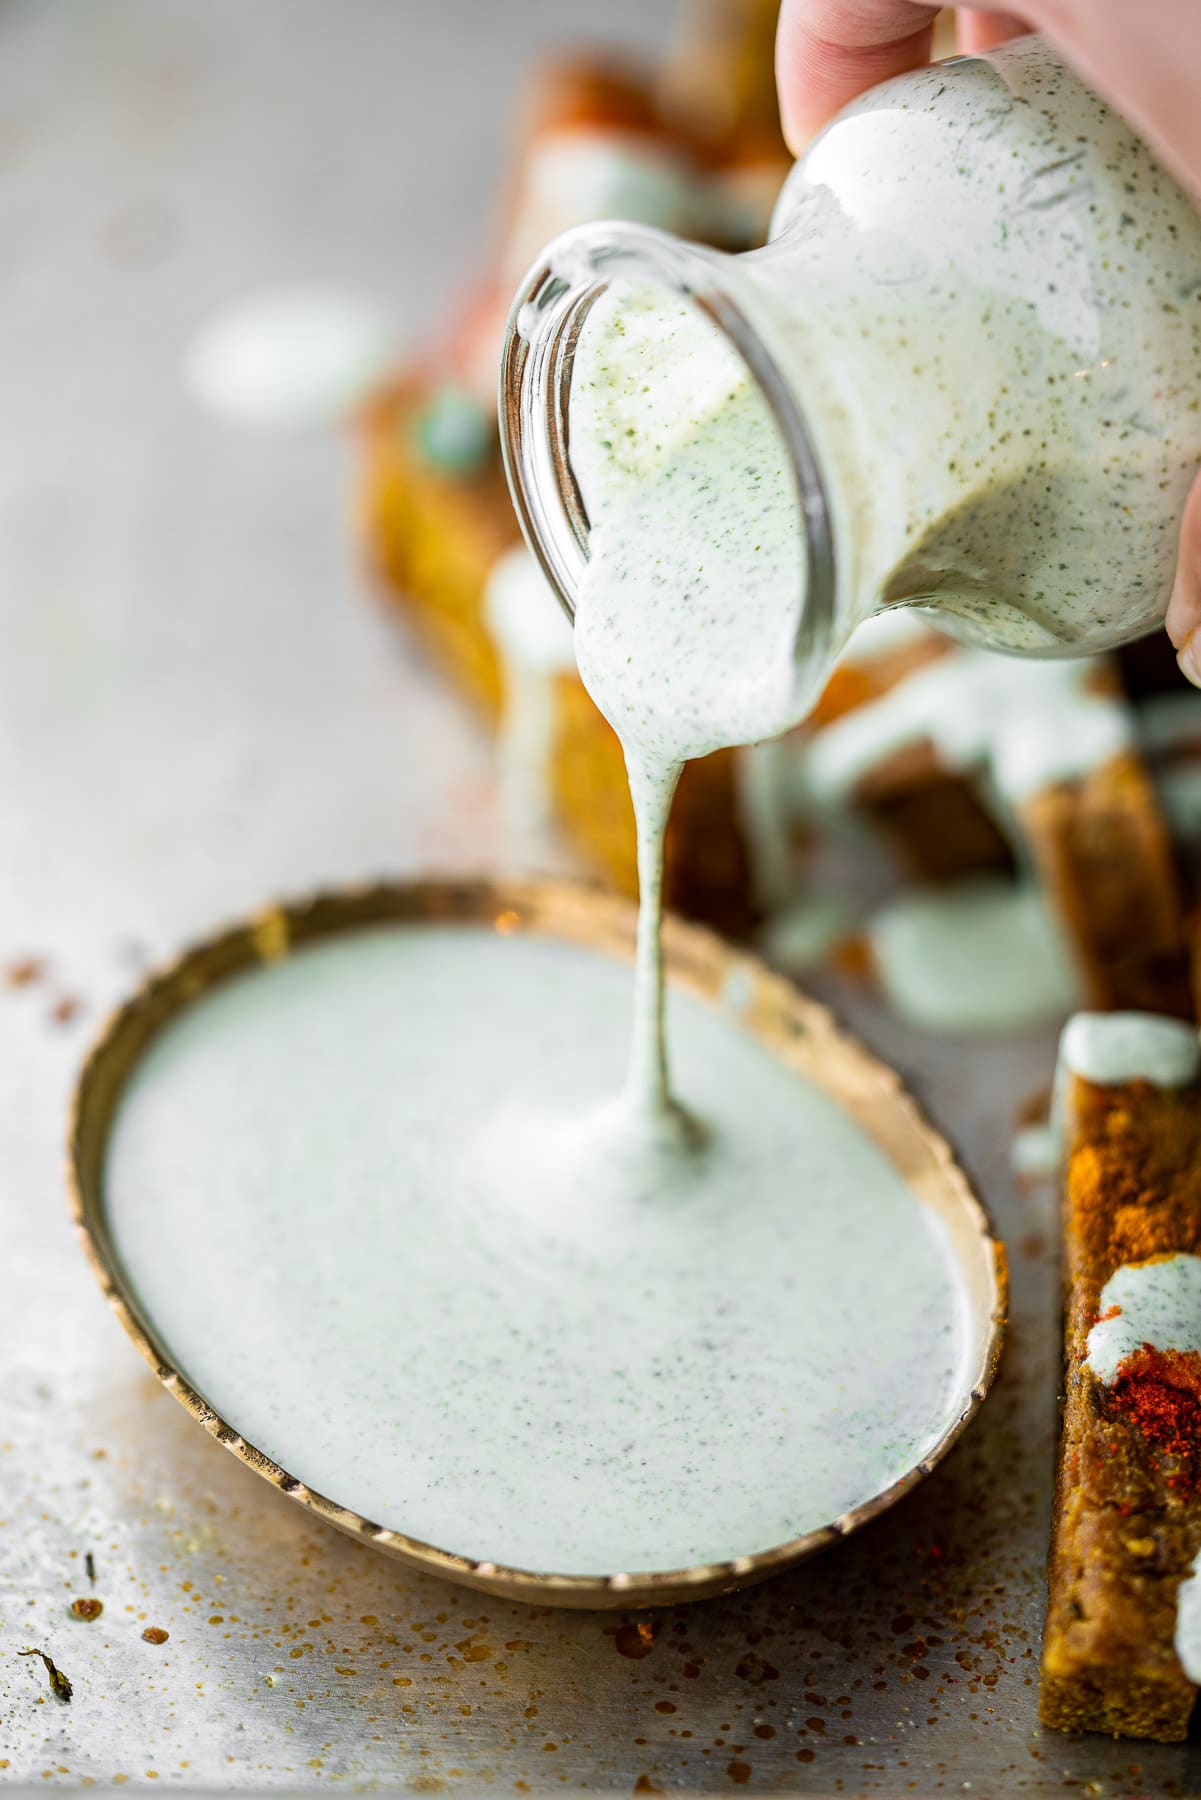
(1159, 1304)
(988, 296)
(374, 1203)
(533, 643)
(689, 605)
(985, 295)
(981, 956)
(1114, 1048)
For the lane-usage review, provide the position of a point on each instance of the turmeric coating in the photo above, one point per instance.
(1133, 1179)
(1128, 1495)
(1102, 853)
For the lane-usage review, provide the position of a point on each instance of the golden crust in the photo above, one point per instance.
(432, 540)
(1101, 849)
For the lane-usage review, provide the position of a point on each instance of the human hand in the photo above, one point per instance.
(1145, 59)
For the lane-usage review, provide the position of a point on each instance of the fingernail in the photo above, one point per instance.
(1189, 657)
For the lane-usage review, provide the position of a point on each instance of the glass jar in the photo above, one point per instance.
(978, 329)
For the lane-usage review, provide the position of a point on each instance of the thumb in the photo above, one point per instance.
(1184, 609)
(830, 51)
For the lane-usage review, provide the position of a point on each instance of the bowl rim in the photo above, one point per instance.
(594, 918)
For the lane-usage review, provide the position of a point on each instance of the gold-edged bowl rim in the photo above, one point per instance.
(797, 1029)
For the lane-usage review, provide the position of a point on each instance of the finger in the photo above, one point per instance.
(829, 51)
(981, 31)
(1184, 610)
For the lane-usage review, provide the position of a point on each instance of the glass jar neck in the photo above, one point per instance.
(544, 326)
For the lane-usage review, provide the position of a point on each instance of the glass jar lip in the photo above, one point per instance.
(545, 319)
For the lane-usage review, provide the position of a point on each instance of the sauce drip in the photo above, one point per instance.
(688, 610)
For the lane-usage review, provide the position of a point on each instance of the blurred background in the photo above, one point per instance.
(197, 706)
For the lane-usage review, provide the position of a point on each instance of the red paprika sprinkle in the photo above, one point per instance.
(1160, 1391)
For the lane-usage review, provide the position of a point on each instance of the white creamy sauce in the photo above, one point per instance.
(984, 956)
(953, 288)
(774, 795)
(998, 463)
(373, 1203)
(800, 935)
(766, 818)
(691, 598)
(1054, 738)
(1045, 462)
(686, 619)
(1113, 1048)
(1035, 1150)
(1159, 1305)
(1025, 725)
(689, 605)
(533, 640)
(290, 359)
(1188, 1622)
